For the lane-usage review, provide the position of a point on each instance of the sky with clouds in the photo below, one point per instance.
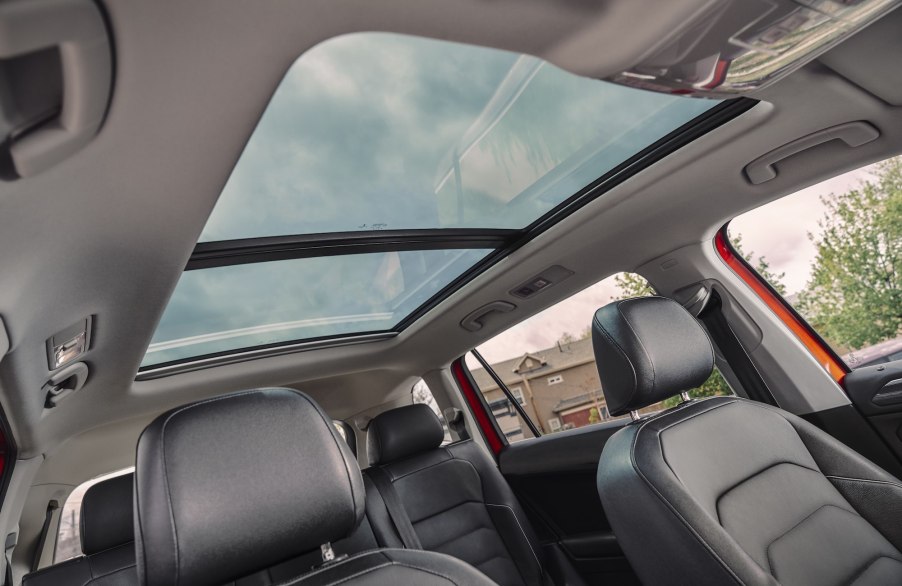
(379, 131)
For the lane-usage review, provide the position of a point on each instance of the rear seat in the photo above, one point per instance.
(453, 497)
(107, 541)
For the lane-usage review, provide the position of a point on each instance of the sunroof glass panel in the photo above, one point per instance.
(374, 131)
(377, 131)
(230, 308)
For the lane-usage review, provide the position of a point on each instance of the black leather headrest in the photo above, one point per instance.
(402, 432)
(648, 349)
(232, 485)
(107, 515)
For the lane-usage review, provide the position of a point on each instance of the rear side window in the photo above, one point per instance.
(68, 539)
(548, 364)
(834, 252)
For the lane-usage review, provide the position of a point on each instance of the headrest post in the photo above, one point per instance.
(328, 552)
(684, 397)
(634, 415)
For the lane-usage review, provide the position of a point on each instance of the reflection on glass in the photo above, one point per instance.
(228, 308)
(376, 131)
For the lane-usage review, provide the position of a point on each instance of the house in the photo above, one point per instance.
(558, 388)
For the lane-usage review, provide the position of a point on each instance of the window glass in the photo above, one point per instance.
(68, 540)
(376, 131)
(548, 364)
(420, 393)
(834, 251)
(230, 308)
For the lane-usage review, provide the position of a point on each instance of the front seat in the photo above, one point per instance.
(726, 490)
(232, 485)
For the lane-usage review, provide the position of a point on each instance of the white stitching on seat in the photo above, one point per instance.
(521, 531)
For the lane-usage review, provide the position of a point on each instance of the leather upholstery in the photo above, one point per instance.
(394, 566)
(727, 490)
(651, 349)
(230, 488)
(458, 502)
(106, 514)
(107, 537)
(236, 484)
(398, 433)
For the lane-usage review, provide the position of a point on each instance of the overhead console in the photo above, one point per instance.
(730, 48)
(56, 72)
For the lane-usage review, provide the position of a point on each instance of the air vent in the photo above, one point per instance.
(547, 278)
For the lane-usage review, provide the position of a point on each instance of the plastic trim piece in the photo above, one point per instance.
(253, 250)
(478, 407)
(825, 355)
(854, 134)
(77, 28)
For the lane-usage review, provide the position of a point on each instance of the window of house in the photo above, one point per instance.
(420, 393)
(68, 539)
(834, 252)
(548, 364)
(517, 392)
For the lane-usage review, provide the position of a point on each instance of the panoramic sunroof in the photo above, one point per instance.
(384, 168)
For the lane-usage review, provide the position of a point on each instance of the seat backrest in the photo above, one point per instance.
(107, 541)
(726, 490)
(231, 486)
(454, 497)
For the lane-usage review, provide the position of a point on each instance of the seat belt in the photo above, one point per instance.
(52, 507)
(734, 352)
(12, 539)
(395, 508)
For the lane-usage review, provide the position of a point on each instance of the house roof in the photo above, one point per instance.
(577, 400)
(555, 358)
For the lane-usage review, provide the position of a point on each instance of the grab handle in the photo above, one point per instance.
(853, 134)
(77, 29)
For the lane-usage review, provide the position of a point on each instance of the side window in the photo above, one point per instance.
(420, 393)
(834, 252)
(68, 539)
(548, 364)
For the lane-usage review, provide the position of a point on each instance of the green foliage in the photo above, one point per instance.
(633, 285)
(715, 386)
(854, 297)
(594, 417)
(761, 266)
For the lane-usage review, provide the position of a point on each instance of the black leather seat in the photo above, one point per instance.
(107, 541)
(453, 497)
(726, 490)
(230, 486)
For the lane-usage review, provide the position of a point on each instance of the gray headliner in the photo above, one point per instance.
(107, 232)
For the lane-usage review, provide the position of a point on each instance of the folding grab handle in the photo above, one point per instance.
(852, 133)
(77, 28)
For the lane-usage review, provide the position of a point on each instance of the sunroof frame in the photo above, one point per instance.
(503, 242)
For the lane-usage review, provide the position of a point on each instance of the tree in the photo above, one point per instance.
(632, 285)
(715, 386)
(565, 339)
(854, 295)
(594, 417)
